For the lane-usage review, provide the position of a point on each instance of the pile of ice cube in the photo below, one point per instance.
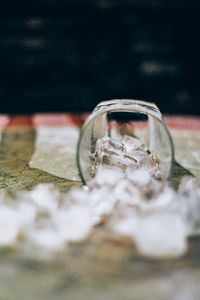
(126, 196)
(130, 152)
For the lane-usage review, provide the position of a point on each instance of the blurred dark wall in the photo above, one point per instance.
(61, 55)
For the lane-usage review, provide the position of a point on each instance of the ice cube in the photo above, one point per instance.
(161, 234)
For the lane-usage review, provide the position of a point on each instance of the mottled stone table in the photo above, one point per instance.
(100, 268)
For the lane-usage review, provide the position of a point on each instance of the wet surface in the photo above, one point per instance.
(16, 149)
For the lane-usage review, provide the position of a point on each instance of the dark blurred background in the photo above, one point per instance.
(58, 55)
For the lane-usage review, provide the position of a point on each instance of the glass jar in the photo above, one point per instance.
(116, 118)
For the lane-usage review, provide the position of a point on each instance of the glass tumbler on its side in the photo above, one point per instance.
(116, 118)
